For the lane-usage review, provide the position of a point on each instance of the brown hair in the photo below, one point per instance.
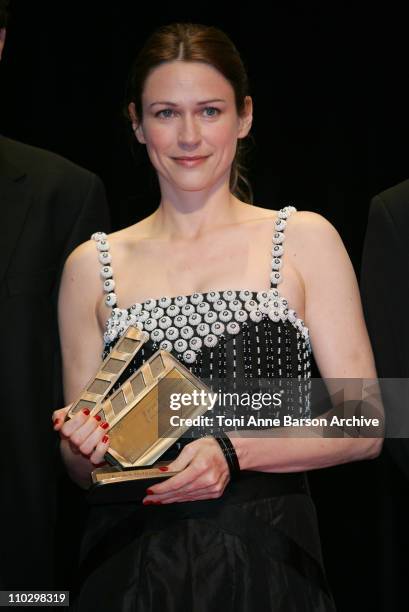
(192, 42)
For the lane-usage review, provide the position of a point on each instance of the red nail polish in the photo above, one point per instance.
(97, 417)
(157, 502)
(150, 492)
(56, 421)
(86, 411)
(105, 439)
(104, 425)
(147, 502)
(163, 468)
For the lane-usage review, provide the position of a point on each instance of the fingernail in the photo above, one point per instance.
(56, 421)
(150, 492)
(105, 439)
(157, 502)
(104, 425)
(97, 417)
(86, 411)
(163, 468)
(147, 502)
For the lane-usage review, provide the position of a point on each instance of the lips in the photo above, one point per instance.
(190, 158)
(190, 162)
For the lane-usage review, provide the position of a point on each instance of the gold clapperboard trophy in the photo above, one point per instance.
(138, 416)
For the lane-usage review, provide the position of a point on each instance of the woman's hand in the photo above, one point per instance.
(205, 475)
(84, 442)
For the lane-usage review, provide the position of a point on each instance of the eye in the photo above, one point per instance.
(162, 114)
(209, 111)
(213, 111)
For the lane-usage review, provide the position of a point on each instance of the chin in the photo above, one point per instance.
(194, 181)
(193, 185)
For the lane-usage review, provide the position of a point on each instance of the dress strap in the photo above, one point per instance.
(278, 249)
(105, 260)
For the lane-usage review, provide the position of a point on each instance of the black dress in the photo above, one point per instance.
(257, 546)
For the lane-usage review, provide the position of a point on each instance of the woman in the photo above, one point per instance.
(201, 540)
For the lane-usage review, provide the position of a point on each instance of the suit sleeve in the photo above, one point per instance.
(93, 216)
(384, 287)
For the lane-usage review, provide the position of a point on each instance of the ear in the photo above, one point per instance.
(2, 39)
(136, 124)
(246, 119)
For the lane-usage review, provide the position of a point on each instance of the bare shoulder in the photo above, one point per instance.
(81, 279)
(80, 288)
(306, 229)
(123, 239)
(308, 220)
(300, 221)
(315, 247)
(83, 264)
(83, 261)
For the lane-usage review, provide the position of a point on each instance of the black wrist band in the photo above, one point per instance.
(230, 454)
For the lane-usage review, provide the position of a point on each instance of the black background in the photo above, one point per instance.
(329, 87)
(331, 130)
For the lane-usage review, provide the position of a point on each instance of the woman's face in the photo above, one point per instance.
(189, 111)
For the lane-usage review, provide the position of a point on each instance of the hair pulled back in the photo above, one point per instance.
(192, 42)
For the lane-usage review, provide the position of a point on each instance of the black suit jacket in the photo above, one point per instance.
(385, 296)
(48, 206)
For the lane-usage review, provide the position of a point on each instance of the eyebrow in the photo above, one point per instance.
(168, 103)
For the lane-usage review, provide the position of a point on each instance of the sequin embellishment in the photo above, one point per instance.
(185, 323)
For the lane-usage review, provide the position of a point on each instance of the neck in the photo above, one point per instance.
(190, 214)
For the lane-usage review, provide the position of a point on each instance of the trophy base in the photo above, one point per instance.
(115, 486)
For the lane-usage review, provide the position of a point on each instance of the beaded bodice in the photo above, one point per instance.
(231, 335)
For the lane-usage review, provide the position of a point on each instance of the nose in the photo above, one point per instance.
(189, 133)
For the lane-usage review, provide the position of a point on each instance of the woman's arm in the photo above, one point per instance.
(82, 445)
(333, 314)
(342, 350)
